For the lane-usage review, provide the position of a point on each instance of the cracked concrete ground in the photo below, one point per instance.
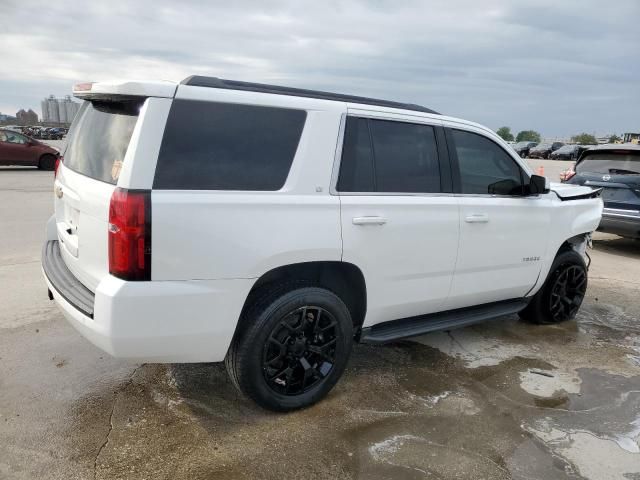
(500, 400)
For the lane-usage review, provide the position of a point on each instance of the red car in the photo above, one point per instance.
(18, 149)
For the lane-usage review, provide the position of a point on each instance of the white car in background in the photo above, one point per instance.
(270, 226)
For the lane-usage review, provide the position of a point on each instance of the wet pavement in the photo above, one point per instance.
(500, 400)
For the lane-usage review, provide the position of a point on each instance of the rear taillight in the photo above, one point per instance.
(56, 166)
(130, 234)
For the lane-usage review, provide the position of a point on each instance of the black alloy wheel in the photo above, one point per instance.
(292, 345)
(300, 351)
(567, 292)
(563, 292)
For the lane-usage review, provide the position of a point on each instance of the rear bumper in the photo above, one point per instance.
(625, 223)
(65, 284)
(166, 321)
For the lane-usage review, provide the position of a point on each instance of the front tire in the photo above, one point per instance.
(291, 348)
(560, 297)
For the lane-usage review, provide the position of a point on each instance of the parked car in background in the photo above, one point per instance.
(544, 149)
(337, 219)
(57, 133)
(47, 134)
(523, 148)
(19, 149)
(616, 169)
(567, 152)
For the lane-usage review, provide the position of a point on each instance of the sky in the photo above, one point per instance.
(558, 67)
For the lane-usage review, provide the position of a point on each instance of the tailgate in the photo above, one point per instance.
(92, 161)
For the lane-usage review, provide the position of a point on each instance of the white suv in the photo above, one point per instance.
(270, 227)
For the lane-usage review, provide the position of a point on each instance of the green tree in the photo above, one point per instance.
(614, 138)
(505, 134)
(584, 139)
(528, 136)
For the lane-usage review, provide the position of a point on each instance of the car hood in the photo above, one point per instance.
(568, 191)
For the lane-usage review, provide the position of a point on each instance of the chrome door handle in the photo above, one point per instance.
(369, 220)
(477, 218)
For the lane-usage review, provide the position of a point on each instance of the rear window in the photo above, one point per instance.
(220, 146)
(616, 163)
(99, 137)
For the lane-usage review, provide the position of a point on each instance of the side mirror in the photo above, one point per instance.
(538, 184)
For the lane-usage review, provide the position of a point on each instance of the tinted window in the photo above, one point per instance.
(627, 163)
(406, 157)
(485, 168)
(356, 167)
(394, 157)
(219, 146)
(99, 137)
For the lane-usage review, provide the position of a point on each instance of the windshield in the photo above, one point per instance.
(99, 137)
(542, 146)
(616, 163)
(522, 144)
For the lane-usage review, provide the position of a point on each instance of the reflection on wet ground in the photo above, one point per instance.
(500, 400)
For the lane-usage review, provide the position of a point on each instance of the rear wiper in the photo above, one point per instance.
(623, 171)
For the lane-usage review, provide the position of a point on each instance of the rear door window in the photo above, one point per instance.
(389, 157)
(611, 163)
(222, 146)
(99, 138)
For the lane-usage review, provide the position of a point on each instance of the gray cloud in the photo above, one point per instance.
(557, 67)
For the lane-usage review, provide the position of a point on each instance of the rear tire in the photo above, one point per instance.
(560, 297)
(291, 347)
(47, 162)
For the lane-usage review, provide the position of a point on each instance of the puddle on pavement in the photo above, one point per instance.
(499, 400)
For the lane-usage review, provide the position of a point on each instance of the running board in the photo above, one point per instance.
(413, 326)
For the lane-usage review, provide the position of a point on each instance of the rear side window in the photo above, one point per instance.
(99, 138)
(485, 168)
(220, 146)
(623, 163)
(388, 156)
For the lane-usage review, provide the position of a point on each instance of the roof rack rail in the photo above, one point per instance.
(214, 82)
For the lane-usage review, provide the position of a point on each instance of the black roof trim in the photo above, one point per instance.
(214, 82)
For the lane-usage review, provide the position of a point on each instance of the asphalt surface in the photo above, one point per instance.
(499, 400)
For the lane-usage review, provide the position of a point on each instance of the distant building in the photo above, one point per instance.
(59, 110)
(50, 112)
(27, 117)
(68, 109)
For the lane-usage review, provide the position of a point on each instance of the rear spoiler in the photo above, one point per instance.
(117, 90)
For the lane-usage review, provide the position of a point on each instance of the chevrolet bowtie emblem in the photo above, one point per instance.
(58, 191)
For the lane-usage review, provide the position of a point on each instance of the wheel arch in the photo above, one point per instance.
(578, 243)
(344, 279)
